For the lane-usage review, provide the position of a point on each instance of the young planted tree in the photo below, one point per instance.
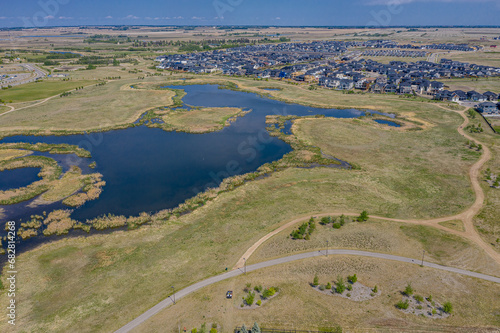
(340, 285)
(316, 281)
(447, 307)
(352, 279)
(408, 290)
(255, 328)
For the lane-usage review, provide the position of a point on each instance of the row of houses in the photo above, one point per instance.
(489, 109)
(460, 96)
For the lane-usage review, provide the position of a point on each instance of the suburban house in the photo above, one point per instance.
(488, 108)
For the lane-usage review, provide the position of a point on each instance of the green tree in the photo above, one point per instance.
(447, 307)
(328, 285)
(269, 292)
(340, 285)
(316, 281)
(408, 290)
(375, 289)
(403, 305)
(250, 298)
(363, 216)
(243, 329)
(352, 279)
(255, 328)
(115, 62)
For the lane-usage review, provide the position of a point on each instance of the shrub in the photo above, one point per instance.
(214, 325)
(328, 285)
(321, 287)
(418, 298)
(258, 288)
(408, 290)
(375, 289)
(325, 220)
(352, 279)
(269, 292)
(447, 307)
(403, 305)
(348, 295)
(213, 330)
(194, 330)
(316, 281)
(429, 298)
(363, 216)
(336, 225)
(259, 302)
(255, 328)
(349, 287)
(250, 298)
(434, 311)
(419, 307)
(203, 328)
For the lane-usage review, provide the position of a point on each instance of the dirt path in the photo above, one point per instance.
(466, 217)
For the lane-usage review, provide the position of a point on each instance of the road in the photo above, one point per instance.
(191, 289)
(35, 74)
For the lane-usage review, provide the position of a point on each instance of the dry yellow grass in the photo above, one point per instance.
(200, 120)
(7, 154)
(298, 306)
(455, 225)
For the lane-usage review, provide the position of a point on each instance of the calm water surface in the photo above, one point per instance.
(148, 169)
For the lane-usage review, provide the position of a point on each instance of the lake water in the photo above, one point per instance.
(387, 122)
(15, 178)
(148, 169)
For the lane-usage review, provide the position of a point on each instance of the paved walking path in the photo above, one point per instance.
(188, 290)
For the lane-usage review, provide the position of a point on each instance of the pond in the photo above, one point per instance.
(387, 122)
(148, 169)
(15, 178)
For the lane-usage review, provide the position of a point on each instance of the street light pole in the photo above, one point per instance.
(173, 289)
(245, 266)
(423, 254)
(327, 248)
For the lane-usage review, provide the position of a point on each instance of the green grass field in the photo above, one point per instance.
(39, 90)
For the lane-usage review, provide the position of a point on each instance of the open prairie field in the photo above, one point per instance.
(106, 280)
(93, 107)
(480, 85)
(298, 306)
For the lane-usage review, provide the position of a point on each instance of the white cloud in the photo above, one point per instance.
(131, 17)
(65, 18)
(49, 17)
(178, 18)
(109, 17)
(197, 18)
(278, 18)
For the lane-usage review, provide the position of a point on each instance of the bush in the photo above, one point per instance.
(352, 279)
(408, 290)
(259, 302)
(375, 289)
(403, 305)
(363, 216)
(328, 285)
(194, 330)
(321, 287)
(325, 220)
(434, 311)
(336, 225)
(418, 298)
(429, 298)
(348, 295)
(447, 307)
(269, 292)
(349, 287)
(258, 288)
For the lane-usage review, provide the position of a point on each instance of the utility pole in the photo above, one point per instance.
(245, 266)
(423, 254)
(327, 248)
(173, 289)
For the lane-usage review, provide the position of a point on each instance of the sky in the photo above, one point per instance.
(45, 13)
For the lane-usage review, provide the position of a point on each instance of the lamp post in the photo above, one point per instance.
(245, 266)
(327, 248)
(173, 295)
(423, 254)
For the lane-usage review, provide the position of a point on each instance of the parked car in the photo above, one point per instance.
(229, 294)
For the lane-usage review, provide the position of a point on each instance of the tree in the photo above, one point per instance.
(342, 219)
(403, 305)
(269, 292)
(316, 281)
(115, 62)
(250, 298)
(375, 289)
(340, 285)
(363, 216)
(408, 290)
(255, 328)
(328, 285)
(352, 279)
(447, 307)
(243, 329)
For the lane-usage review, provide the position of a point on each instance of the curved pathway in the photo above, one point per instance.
(188, 290)
(466, 217)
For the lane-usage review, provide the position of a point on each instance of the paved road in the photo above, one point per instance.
(186, 291)
(35, 74)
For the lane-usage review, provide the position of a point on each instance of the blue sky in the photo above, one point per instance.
(39, 13)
